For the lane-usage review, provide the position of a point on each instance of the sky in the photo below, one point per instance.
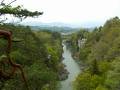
(74, 12)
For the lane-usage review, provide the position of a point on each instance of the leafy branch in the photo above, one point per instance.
(18, 11)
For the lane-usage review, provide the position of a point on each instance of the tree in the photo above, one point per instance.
(94, 67)
(18, 11)
(102, 71)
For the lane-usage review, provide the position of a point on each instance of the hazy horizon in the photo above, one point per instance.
(61, 24)
(76, 13)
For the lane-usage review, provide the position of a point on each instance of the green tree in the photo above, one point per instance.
(18, 11)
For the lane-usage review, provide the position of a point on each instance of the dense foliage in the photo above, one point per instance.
(73, 41)
(101, 58)
(39, 52)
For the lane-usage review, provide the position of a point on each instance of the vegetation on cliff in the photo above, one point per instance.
(100, 57)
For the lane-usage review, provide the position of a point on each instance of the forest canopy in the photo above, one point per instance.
(100, 57)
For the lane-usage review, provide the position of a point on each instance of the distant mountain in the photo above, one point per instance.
(59, 24)
(55, 28)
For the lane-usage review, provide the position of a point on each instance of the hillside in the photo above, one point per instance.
(32, 53)
(99, 57)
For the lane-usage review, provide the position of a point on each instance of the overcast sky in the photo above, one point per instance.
(73, 11)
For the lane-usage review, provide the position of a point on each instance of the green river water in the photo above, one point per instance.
(72, 67)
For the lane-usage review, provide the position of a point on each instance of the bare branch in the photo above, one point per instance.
(11, 2)
(2, 2)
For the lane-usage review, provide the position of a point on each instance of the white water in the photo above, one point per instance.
(72, 67)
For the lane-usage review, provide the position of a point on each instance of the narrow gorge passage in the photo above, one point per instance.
(72, 67)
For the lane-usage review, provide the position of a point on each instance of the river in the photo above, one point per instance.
(72, 67)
